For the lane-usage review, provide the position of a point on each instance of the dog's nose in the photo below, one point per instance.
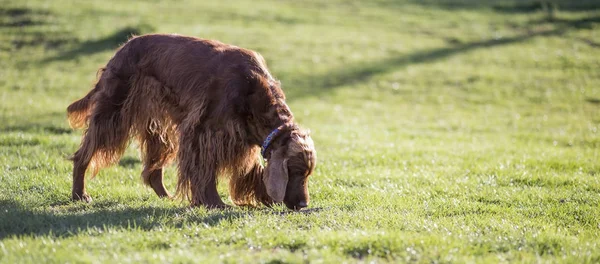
(301, 204)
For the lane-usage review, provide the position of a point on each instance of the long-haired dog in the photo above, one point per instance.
(210, 105)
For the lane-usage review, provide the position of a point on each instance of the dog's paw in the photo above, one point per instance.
(83, 197)
(218, 206)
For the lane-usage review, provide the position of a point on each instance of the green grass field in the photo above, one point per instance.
(447, 131)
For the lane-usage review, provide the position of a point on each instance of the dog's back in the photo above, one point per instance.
(188, 69)
(181, 60)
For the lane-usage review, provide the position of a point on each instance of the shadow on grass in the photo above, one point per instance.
(51, 123)
(511, 6)
(110, 42)
(528, 6)
(24, 28)
(362, 72)
(20, 17)
(583, 23)
(591, 100)
(129, 162)
(44, 128)
(18, 220)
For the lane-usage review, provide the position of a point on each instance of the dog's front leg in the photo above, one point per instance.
(205, 193)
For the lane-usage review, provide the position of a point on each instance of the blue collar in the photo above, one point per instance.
(268, 140)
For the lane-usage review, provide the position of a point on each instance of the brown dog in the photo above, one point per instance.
(209, 104)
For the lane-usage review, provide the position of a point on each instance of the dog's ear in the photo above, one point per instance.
(276, 175)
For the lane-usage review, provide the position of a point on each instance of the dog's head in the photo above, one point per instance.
(290, 164)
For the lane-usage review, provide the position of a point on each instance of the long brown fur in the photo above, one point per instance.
(207, 104)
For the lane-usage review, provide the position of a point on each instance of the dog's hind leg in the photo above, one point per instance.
(81, 160)
(154, 177)
(155, 153)
(106, 137)
(149, 112)
(100, 147)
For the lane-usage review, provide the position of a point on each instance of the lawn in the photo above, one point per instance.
(446, 131)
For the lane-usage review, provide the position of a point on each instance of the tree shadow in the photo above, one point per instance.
(566, 24)
(591, 100)
(512, 6)
(20, 17)
(44, 128)
(590, 42)
(45, 123)
(107, 43)
(539, 5)
(315, 84)
(23, 31)
(129, 162)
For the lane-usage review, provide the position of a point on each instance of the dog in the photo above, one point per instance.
(213, 107)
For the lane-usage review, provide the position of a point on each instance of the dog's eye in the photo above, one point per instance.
(295, 172)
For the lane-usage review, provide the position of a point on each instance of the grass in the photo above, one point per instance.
(447, 131)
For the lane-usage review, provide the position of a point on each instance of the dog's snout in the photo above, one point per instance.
(300, 205)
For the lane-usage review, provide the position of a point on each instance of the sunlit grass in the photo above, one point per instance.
(446, 131)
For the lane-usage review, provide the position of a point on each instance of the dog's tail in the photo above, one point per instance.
(78, 112)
